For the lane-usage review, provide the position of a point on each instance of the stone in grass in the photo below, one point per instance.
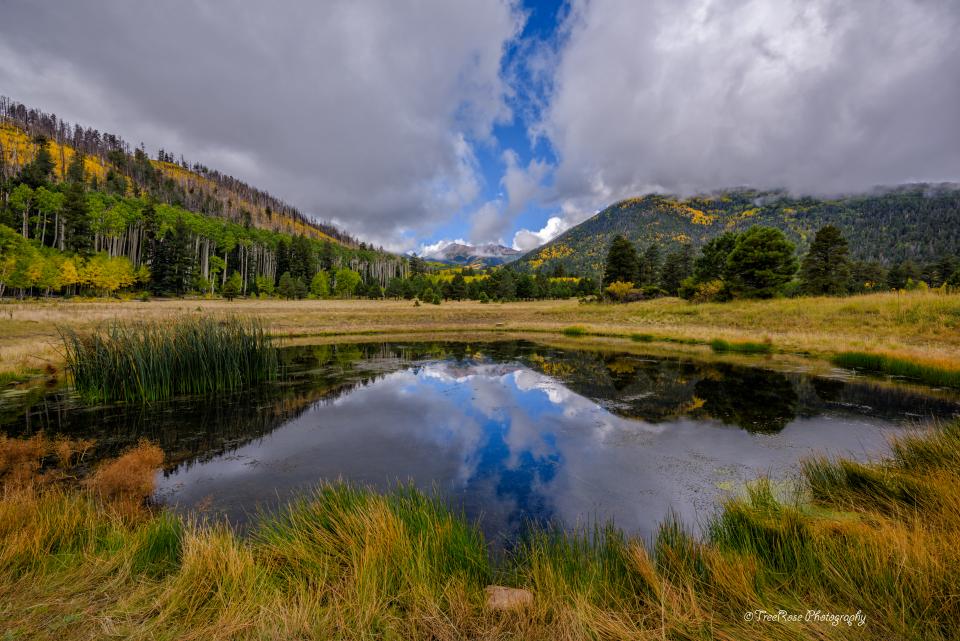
(504, 598)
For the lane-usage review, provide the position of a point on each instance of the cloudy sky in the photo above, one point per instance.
(415, 122)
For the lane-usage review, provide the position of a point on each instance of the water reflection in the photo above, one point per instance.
(510, 432)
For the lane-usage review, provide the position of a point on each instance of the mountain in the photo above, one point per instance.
(70, 194)
(917, 222)
(485, 255)
(168, 179)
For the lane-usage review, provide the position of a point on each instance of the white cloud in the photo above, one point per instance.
(522, 184)
(489, 223)
(525, 240)
(690, 95)
(359, 111)
(434, 250)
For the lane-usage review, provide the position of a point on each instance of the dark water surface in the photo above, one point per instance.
(510, 432)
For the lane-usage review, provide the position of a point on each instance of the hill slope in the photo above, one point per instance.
(916, 222)
(176, 182)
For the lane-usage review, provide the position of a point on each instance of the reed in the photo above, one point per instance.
(742, 347)
(152, 361)
(928, 373)
(575, 330)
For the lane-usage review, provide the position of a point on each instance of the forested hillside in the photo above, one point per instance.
(918, 223)
(82, 210)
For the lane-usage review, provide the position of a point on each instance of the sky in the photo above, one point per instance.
(414, 123)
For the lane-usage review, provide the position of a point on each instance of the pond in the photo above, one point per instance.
(510, 433)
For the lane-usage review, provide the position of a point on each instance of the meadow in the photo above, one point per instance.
(861, 551)
(921, 327)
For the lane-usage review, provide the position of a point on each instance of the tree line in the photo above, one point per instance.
(80, 234)
(196, 187)
(761, 262)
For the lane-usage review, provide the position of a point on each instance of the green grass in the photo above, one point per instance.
(575, 330)
(347, 562)
(927, 373)
(642, 338)
(742, 347)
(144, 362)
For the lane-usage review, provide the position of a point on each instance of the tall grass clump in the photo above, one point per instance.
(144, 362)
(741, 347)
(575, 330)
(927, 373)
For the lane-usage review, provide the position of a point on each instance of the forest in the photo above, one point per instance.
(910, 226)
(762, 262)
(81, 213)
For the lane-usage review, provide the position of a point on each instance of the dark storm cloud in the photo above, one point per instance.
(817, 96)
(355, 111)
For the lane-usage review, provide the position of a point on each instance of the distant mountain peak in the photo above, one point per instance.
(482, 255)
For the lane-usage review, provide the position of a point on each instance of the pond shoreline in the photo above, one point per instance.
(348, 561)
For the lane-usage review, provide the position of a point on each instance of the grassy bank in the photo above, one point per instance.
(945, 374)
(920, 326)
(86, 561)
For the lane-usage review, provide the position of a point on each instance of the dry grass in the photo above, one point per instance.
(129, 477)
(921, 326)
(882, 539)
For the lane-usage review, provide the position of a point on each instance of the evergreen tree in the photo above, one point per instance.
(761, 263)
(867, 276)
(903, 273)
(301, 259)
(458, 287)
(286, 288)
(826, 267)
(326, 256)
(37, 172)
(586, 287)
(712, 261)
(676, 268)
(231, 289)
(396, 288)
(78, 237)
(417, 265)
(171, 265)
(283, 259)
(526, 287)
(622, 263)
(648, 273)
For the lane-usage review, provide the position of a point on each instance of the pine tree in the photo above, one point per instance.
(676, 268)
(826, 267)
(283, 259)
(761, 263)
(458, 287)
(622, 262)
(712, 261)
(171, 264)
(649, 271)
(78, 237)
(37, 172)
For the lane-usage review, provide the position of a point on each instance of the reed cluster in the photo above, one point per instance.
(874, 549)
(923, 372)
(742, 347)
(152, 361)
(575, 330)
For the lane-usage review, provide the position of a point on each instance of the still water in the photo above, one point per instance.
(511, 433)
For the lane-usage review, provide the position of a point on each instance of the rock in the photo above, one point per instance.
(503, 598)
